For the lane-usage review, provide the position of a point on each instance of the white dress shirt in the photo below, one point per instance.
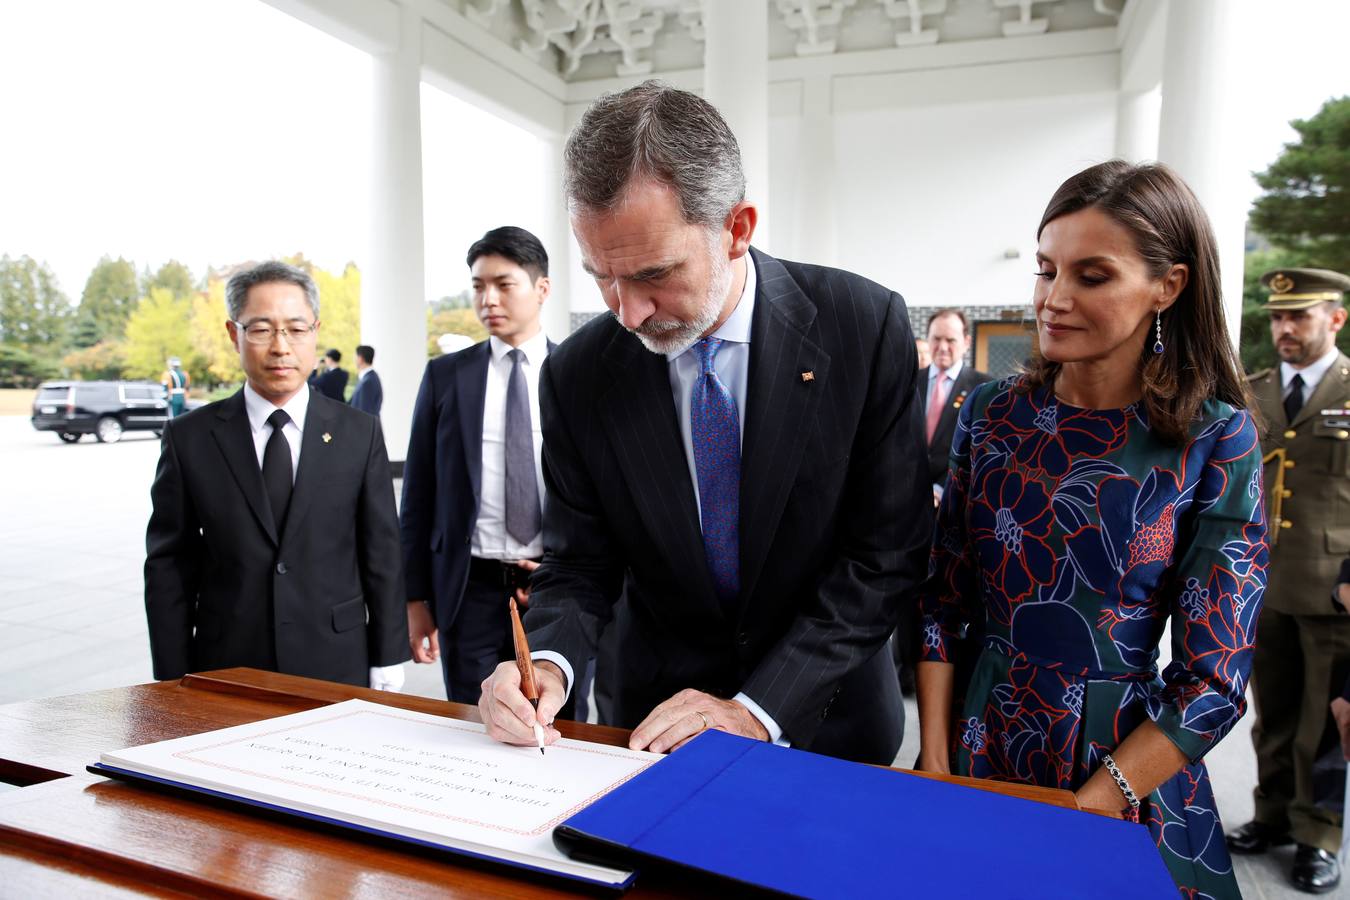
(490, 538)
(934, 373)
(1312, 373)
(382, 678)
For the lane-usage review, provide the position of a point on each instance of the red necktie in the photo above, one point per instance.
(935, 401)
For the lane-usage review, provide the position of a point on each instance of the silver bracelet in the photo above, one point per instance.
(1120, 780)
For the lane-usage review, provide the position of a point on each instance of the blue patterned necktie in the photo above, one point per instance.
(715, 430)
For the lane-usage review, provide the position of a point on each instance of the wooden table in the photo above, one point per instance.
(69, 833)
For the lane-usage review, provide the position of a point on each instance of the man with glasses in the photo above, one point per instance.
(273, 540)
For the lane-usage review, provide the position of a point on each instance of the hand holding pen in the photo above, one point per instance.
(509, 714)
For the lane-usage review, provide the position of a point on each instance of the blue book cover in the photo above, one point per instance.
(813, 826)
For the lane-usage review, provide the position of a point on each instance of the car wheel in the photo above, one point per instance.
(69, 437)
(109, 430)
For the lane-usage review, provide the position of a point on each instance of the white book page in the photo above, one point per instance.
(428, 777)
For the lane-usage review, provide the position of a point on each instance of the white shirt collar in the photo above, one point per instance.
(934, 371)
(259, 409)
(736, 328)
(535, 349)
(362, 373)
(1311, 373)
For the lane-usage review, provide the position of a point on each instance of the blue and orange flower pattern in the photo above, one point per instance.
(1073, 537)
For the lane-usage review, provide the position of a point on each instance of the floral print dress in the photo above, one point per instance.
(1074, 535)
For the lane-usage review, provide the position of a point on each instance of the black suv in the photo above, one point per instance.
(102, 408)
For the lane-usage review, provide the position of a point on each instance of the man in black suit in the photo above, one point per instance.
(273, 540)
(762, 566)
(946, 382)
(472, 489)
(368, 395)
(332, 381)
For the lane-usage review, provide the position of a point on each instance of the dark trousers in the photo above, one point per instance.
(480, 636)
(1292, 675)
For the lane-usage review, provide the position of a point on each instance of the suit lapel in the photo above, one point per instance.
(780, 406)
(315, 459)
(638, 415)
(1333, 384)
(234, 437)
(471, 396)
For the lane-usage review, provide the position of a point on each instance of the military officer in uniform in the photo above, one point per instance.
(1305, 402)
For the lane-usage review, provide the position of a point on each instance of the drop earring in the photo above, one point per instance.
(1157, 331)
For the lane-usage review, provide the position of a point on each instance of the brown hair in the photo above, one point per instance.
(1169, 227)
(950, 311)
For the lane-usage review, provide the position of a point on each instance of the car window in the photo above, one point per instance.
(95, 393)
(142, 392)
(53, 394)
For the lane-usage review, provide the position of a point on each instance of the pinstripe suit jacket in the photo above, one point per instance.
(835, 515)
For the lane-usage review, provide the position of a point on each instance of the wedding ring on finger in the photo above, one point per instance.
(706, 724)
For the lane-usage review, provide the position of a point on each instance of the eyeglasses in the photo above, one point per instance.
(263, 334)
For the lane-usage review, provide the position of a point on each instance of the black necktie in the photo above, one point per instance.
(276, 469)
(1294, 401)
(522, 488)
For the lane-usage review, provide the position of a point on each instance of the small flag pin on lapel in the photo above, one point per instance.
(327, 437)
(808, 375)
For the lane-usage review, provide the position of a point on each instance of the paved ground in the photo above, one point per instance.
(72, 619)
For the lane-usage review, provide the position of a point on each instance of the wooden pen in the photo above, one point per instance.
(528, 686)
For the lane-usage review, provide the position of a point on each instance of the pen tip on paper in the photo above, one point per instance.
(541, 751)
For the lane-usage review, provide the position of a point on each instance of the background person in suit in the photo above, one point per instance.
(273, 541)
(332, 381)
(736, 449)
(946, 383)
(1305, 402)
(472, 489)
(368, 395)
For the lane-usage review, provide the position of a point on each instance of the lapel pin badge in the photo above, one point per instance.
(808, 375)
(327, 437)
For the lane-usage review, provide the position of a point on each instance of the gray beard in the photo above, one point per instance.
(673, 338)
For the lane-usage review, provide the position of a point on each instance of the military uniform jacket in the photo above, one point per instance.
(1313, 534)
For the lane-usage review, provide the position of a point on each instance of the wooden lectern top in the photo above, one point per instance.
(69, 833)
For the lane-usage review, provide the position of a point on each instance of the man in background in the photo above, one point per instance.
(947, 381)
(472, 486)
(368, 396)
(332, 381)
(273, 540)
(176, 385)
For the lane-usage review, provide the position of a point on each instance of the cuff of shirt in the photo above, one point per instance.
(387, 678)
(775, 733)
(561, 662)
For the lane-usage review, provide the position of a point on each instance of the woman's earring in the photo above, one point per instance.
(1157, 331)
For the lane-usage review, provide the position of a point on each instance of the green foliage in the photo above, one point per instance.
(104, 360)
(159, 328)
(210, 340)
(110, 294)
(21, 369)
(34, 314)
(1306, 205)
(453, 320)
(173, 277)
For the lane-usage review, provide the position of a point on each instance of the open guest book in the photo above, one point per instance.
(813, 826)
(429, 780)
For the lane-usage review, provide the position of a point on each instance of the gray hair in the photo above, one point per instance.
(659, 132)
(237, 288)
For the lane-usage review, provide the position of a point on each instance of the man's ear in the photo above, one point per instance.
(741, 223)
(543, 287)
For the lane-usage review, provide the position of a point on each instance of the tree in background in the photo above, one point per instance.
(159, 328)
(110, 294)
(1306, 204)
(34, 319)
(1305, 214)
(173, 277)
(452, 315)
(210, 340)
(103, 361)
(339, 312)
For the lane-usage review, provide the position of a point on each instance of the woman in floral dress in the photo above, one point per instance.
(1111, 488)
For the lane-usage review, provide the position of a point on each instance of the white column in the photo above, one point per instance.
(557, 237)
(1198, 127)
(816, 238)
(1137, 124)
(736, 81)
(393, 301)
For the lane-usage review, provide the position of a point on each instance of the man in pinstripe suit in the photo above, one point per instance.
(738, 450)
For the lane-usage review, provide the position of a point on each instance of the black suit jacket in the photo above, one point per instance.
(835, 515)
(368, 395)
(332, 383)
(443, 479)
(941, 446)
(323, 599)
